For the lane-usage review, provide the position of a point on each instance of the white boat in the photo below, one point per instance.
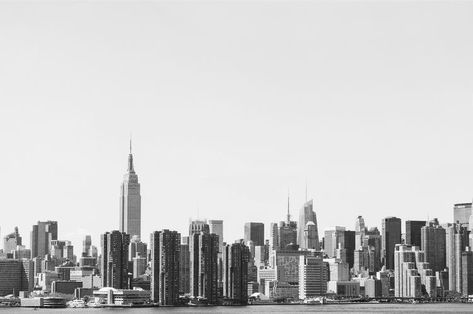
(77, 303)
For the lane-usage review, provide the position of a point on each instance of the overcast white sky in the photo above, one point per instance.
(230, 104)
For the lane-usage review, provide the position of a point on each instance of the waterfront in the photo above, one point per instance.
(332, 308)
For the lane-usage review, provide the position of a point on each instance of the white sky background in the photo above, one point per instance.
(230, 104)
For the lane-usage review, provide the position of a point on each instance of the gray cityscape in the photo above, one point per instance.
(236, 156)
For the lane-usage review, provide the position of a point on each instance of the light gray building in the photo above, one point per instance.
(307, 231)
(462, 213)
(130, 201)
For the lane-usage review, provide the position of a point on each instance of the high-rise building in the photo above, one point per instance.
(456, 238)
(467, 272)
(287, 235)
(184, 266)
(10, 241)
(307, 231)
(273, 236)
(86, 244)
(114, 261)
(203, 265)
(312, 276)
(359, 232)
(254, 231)
(130, 201)
(216, 226)
(235, 272)
(433, 245)
(41, 237)
(411, 272)
(350, 246)
(332, 240)
(462, 213)
(165, 254)
(137, 248)
(413, 232)
(391, 229)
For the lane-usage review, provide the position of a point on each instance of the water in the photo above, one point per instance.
(332, 308)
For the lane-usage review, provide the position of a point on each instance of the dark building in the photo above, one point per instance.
(41, 237)
(165, 254)
(184, 266)
(287, 234)
(203, 266)
(114, 262)
(413, 232)
(433, 245)
(350, 246)
(373, 240)
(254, 231)
(235, 272)
(467, 273)
(391, 229)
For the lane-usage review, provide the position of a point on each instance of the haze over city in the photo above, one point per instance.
(224, 120)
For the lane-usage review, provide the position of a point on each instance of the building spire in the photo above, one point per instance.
(288, 214)
(130, 160)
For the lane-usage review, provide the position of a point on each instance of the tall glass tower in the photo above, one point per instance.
(130, 201)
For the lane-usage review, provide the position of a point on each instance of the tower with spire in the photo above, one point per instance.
(130, 201)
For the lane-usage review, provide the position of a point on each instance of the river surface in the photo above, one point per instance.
(331, 308)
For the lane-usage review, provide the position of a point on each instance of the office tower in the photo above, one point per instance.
(68, 251)
(184, 266)
(433, 244)
(287, 235)
(216, 226)
(165, 253)
(86, 243)
(10, 241)
(373, 240)
(307, 231)
(312, 276)
(41, 237)
(203, 265)
(57, 249)
(137, 248)
(130, 201)
(456, 238)
(350, 246)
(332, 240)
(274, 236)
(408, 263)
(462, 213)
(235, 272)
(391, 229)
(254, 231)
(413, 232)
(27, 275)
(365, 260)
(467, 272)
(359, 231)
(114, 262)
(197, 226)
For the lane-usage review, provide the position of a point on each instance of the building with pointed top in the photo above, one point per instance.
(307, 231)
(130, 201)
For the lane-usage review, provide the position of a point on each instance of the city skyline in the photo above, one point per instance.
(374, 116)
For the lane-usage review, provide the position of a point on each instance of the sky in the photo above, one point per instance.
(231, 104)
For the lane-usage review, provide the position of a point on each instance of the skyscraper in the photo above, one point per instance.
(41, 237)
(359, 232)
(391, 229)
(114, 262)
(86, 244)
(456, 238)
(184, 266)
(307, 231)
(130, 201)
(433, 245)
(413, 232)
(235, 272)
(254, 231)
(165, 254)
(10, 241)
(203, 265)
(462, 213)
(332, 240)
(312, 276)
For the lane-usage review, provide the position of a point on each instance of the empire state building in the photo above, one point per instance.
(130, 201)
